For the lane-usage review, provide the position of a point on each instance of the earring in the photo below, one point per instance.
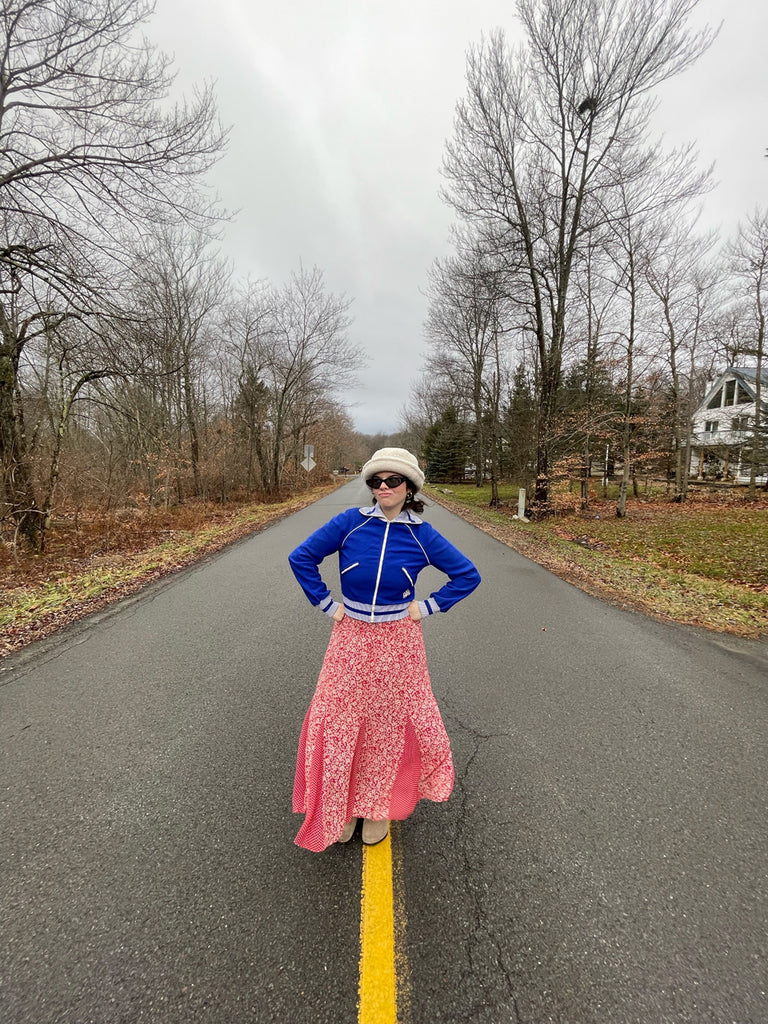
(409, 495)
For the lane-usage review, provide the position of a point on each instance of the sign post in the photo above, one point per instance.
(308, 461)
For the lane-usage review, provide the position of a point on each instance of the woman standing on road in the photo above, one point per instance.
(373, 742)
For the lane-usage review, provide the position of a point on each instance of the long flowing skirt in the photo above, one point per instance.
(373, 742)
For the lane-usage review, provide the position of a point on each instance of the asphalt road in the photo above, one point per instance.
(603, 860)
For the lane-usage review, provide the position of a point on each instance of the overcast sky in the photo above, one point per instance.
(339, 111)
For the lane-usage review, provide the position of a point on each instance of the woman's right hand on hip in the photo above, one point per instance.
(338, 615)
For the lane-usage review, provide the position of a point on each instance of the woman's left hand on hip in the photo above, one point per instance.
(414, 611)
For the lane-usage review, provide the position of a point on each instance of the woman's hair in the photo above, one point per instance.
(412, 503)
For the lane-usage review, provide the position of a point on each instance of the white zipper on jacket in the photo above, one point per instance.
(378, 574)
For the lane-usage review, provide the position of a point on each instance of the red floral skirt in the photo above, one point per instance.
(373, 742)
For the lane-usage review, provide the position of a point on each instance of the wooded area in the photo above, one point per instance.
(573, 328)
(582, 313)
(134, 366)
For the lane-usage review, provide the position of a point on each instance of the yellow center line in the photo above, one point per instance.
(378, 981)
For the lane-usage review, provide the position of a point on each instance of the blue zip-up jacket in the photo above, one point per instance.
(379, 561)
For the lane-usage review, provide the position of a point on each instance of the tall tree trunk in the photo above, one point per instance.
(66, 399)
(626, 433)
(194, 440)
(479, 440)
(589, 383)
(677, 403)
(758, 442)
(65, 404)
(17, 487)
(494, 406)
(550, 381)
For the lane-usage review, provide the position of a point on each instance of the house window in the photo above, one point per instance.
(743, 396)
(716, 400)
(730, 392)
(710, 427)
(740, 423)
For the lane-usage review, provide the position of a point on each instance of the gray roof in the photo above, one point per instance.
(748, 373)
(748, 376)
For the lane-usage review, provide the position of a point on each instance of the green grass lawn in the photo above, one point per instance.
(703, 562)
(717, 543)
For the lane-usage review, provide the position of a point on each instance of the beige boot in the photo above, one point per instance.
(374, 831)
(349, 831)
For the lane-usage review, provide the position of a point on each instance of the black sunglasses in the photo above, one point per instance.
(391, 481)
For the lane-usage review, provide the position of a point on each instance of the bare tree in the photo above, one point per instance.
(533, 136)
(295, 358)
(596, 292)
(425, 405)
(89, 148)
(463, 326)
(248, 326)
(74, 359)
(748, 255)
(182, 286)
(634, 237)
(685, 286)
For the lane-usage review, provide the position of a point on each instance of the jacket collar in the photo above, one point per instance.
(403, 517)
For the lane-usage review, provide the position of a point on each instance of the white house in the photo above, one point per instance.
(723, 425)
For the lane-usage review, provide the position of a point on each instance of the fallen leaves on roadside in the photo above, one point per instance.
(90, 568)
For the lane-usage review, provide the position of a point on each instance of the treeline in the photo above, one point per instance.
(582, 311)
(133, 363)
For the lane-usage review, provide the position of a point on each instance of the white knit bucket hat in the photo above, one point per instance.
(394, 460)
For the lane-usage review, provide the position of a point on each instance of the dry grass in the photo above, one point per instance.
(94, 560)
